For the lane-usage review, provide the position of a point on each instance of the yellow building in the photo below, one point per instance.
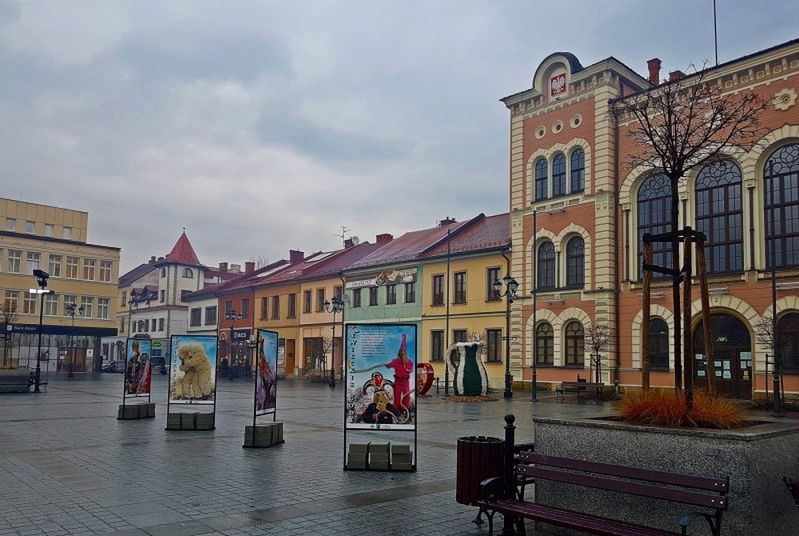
(476, 311)
(83, 278)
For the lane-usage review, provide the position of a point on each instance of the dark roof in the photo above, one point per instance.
(340, 261)
(141, 270)
(407, 247)
(183, 253)
(207, 292)
(481, 233)
(54, 239)
(257, 278)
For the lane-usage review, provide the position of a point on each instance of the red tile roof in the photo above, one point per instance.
(340, 261)
(130, 277)
(183, 253)
(408, 246)
(482, 233)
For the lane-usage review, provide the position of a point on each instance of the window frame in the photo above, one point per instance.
(492, 275)
(660, 343)
(459, 296)
(574, 345)
(546, 267)
(438, 290)
(575, 262)
(410, 292)
(391, 294)
(577, 171)
(373, 299)
(493, 345)
(545, 350)
(437, 334)
(541, 179)
(559, 175)
(788, 170)
(655, 202)
(707, 216)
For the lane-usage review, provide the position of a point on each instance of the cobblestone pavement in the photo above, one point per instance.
(67, 466)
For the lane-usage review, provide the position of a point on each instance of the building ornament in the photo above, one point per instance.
(784, 98)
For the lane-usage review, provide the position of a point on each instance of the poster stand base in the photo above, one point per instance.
(134, 412)
(264, 435)
(190, 421)
(385, 457)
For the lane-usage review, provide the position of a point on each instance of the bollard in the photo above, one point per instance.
(510, 436)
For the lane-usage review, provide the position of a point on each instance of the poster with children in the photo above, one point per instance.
(138, 372)
(266, 373)
(192, 371)
(381, 376)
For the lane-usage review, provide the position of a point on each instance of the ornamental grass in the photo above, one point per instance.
(665, 407)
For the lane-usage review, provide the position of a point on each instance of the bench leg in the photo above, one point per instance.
(479, 519)
(490, 516)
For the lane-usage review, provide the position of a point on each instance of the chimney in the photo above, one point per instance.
(674, 76)
(249, 267)
(160, 258)
(446, 221)
(223, 267)
(296, 255)
(235, 268)
(152, 259)
(384, 238)
(348, 243)
(654, 71)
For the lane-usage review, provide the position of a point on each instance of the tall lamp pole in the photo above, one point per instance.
(41, 279)
(231, 316)
(335, 306)
(511, 286)
(72, 310)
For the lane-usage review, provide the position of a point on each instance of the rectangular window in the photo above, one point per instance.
(264, 308)
(72, 267)
(210, 315)
(67, 233)
(87, 303)
(121, 325)
(492, 276)
(356, 297)
(11, 223)
(438, 290)
(14, 261)
(195, 316)
(105, 271)
(12, 300)
(460, 287)
(34, 259)
(30, 227)
(69, 300)
(48, 229)
(88, 269)
(102, 307)
(410, 292)
(337, 291)
(306, 301)
(458, 335)
(55, 265)
(437, 345)
(320, 300)
(391, 294)
(292, 305)
(275, 307)
(51, 304)
(162, 296)
(29, 304)
(245, 308)
(372, 295)
(160, 324)
(123, 301)
(493, 345)
(228, 307)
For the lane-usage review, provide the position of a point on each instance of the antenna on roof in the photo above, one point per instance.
(343, 235)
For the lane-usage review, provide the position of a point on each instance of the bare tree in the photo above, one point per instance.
(474, 335)
(680, 126)
(766, 333)
(597, 337)
(8, 315)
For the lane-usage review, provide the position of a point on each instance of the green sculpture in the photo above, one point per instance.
(467, 369)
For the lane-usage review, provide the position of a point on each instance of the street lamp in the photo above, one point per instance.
(511, 286)
(72, 310)
(231, 316)
(335, 306)
(41, 279)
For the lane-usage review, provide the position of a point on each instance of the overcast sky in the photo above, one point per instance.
(264, 126)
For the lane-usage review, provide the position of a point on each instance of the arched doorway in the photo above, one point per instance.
(732, 356)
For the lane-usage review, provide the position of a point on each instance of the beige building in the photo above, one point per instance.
(53, 239)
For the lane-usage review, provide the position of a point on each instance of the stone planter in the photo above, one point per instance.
(755, 458)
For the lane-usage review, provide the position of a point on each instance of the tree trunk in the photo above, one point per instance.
(688, 372)
(710, 369)
(645, 363)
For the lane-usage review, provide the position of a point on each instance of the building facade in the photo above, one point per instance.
(571, 175)
(83, 277)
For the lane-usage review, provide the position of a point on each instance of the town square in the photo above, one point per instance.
(361, 268)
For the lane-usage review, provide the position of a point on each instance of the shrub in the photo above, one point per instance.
(665, 407)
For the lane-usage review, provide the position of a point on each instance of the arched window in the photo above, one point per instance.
(546, 266)
(575, 344)
(575, 262)
(658, 344)
(545, 344)
(578, 171)
(188, 273)
(654, 217)
(558, 175)
(720, 217)
(781, 175)
(540, 179)
(163, 272)
(788, 339)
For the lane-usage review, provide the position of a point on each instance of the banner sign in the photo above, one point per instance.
(381, 376)
(192, 371)
(138, 372)
(266, 376)
(386, 277)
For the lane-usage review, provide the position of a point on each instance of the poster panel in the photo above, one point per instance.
(138, 372)
(266, 377)
(381, 377)
(192, 371)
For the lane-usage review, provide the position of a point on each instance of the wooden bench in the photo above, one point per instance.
(15, 383)
(708, 494)
(580, 386)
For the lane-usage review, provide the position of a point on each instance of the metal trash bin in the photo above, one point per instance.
(478, 458)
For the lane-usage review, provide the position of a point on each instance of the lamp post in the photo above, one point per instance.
(41, 279)
(231, 316)
(335, 306)
(511, 286)
(72, 310)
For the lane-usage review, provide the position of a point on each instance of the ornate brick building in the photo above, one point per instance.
(570, 173)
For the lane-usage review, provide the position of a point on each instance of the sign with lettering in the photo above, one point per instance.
(386, 277)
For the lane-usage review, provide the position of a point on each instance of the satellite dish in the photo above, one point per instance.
(355, 240)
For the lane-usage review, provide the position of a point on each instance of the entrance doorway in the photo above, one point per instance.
(732, 356)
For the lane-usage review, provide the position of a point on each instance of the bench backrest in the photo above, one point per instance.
(686, 489)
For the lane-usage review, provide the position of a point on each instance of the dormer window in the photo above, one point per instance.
(188, 273)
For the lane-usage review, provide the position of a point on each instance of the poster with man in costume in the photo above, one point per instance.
(266, 373)
(137, 368)
(381, 376)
